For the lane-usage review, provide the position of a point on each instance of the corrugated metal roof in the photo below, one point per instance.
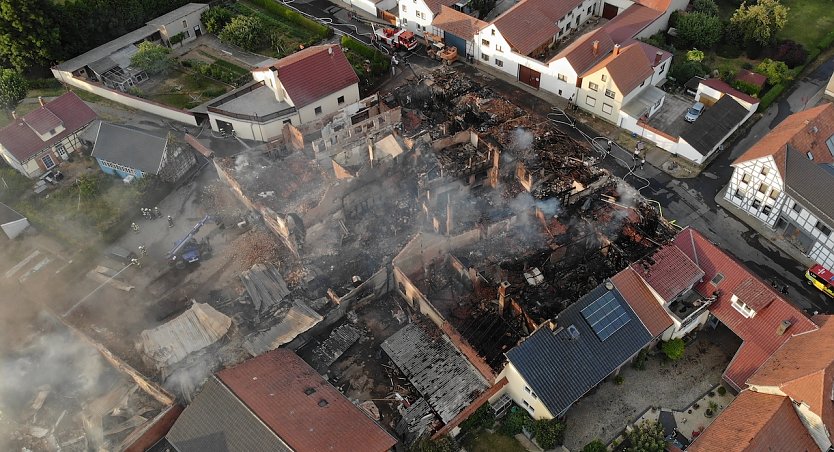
(561, 369)
(24, 143)
(714, 124)
(669, 272)
(301, 407)
(642, 301)
(217, 421)
(759, 333)
(447, 381)
(756, 422)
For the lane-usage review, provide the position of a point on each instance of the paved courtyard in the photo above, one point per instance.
(609, 408)
(670, 116)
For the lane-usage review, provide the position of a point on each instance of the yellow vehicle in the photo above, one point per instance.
(821, 278)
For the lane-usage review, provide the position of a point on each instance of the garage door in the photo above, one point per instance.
(460, 43)
(706, 100)
(609, 11)
(529, 76)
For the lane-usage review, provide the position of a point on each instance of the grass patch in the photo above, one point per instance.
(491, 442)
(808, 21)
(184, 90)
(286, 37)
(22, 109)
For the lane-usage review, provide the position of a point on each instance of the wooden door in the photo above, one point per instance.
(529, 76)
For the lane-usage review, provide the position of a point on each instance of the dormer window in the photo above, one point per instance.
(742, 308)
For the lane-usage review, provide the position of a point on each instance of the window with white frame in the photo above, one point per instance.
(485, 57)
(742, 308)
(774, 194)
(484, 43)
(745, 178)
(765, 170)
(404, 8)
(47, 161)
(499, 63)
(763, 188)
(739, 193)
(590, 101)
(607, 109)
(609, 93)
(604, 77)
(562, 77)
(499, 48)
(593, 86)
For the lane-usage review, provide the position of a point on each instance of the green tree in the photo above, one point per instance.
(87, 186)
(247, 32)
(12, 88)
(28, 34)
(699, 30)
(708, 7)
(483, 417)
(216, 18)
(761, 21)
(694, 55)
(673, 349)
(775, 71)
(647, 437)
(549, 433)
(594, 446)
(442, 444)
(151, 58)
(683, 70)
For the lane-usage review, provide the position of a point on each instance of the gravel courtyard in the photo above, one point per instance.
(609, 408)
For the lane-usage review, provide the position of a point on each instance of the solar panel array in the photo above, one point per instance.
(605, 315)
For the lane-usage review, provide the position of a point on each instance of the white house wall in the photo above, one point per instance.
(521, 393)
(329, 104)
(365, 5)
(415, 16)
(662, 22)
(620, 4)
(252, 130)
(192, 20)
(823, 249)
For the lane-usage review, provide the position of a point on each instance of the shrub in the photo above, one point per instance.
(619, 380)
(721, 390)
(483, 417)
(13, 88)
(826, 41)
(215, 19)
(745, 87)
(442, 444)
(639, 362)
(379, 62)
(136, 91)
(322, 31)
(594, 446)
(695, 55)
(549, 433)
(177, 38)
(791, 53)
(673, 349)
(708, 7)
(775, 71)
(247, 32)
(683, 70)
(514, 422)
(647, 437)
(44, 83)
(770, 96)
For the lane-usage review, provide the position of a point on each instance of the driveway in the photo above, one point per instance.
(610, 407)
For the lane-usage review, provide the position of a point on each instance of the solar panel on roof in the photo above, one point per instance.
(605, 315)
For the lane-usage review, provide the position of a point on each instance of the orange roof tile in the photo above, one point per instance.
(669, 272)
(580, 53)
(300, 406)
(642, 301)
(797, 130)
(628, 23)
(750, 77)
(755, 422)
(659, 5)
(436, 5)
(531, 23)
(457, 23)
(759, 333)
(628, 68)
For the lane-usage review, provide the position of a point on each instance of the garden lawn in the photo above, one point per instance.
(808, 21)
(287, 37)
(184, 90)
(494, 442)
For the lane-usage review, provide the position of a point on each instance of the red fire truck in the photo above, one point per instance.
(396, 39)
(821, 278)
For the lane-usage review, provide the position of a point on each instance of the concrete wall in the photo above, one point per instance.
(329, 104)
(252, 130)
(138, 103)
(192, 20)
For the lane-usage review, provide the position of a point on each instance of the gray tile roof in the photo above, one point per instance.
(217, 421)
(810, 184)
(717, 121)
(560, 369)
(129, 147)
(447, 381)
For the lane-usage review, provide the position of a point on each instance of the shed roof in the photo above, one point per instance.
(561, 367)
(197, 328)
(759, 332)
(129, 147)
(714, 125)
(457, 23)
(722, 86)
(314, 73)
(23, 143)
(447, 381)
(531, 23)
(436, 6)
(747, 76)
(647, 307)
(301, 407)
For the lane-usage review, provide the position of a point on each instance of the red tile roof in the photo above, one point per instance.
(756, 422)
(274, 387)
(580, 53)
(803, 368)
(23, 143)
(669, 272)
(752, 78)
(759, 332)
(650, 51)
(531, 23)
(642, 301)
(457, 23)
(659, 5)
(314, 73)
(721, 85)
(437, 5)
(628, 68)
(797, 130)
(628, 23)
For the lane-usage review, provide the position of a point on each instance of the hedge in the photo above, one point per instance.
(770, 96)
(379, 62)
(291, 15)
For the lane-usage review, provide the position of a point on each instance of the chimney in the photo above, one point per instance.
(657, 57)
(40, 101)
(780, 330)
(502, 296)
(14, 114)
(596, 47)
(616, 49)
